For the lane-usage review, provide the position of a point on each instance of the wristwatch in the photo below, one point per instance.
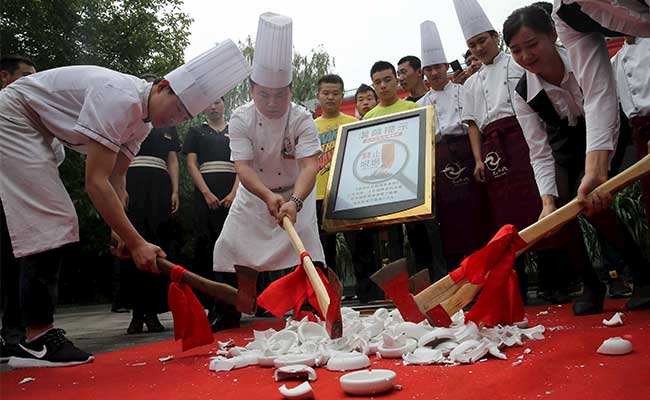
(297, 201)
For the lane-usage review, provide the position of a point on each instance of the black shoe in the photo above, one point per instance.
(7, 350)
(640, 298)
(52, 349)
(135, 326)
(591, 301)
(153, 323)
(618, 289)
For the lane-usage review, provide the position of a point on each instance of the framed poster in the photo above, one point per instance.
(382, 172)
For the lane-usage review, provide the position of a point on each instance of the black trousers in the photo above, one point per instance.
(426, 243)
(29, 287)
(208, 225)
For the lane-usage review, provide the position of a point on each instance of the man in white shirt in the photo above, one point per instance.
(275, 146)
(78, 105)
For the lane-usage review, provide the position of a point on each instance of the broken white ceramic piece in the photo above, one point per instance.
(295, 372)
(300, 392)
(436, 336)
(368, 382)
(534, 333)
(348, 362)
(615, 346)
(267, 360)
(464, 351)
(616, 320)
(446, 347)
(221, 363)
(290, 359)
(312, 332)
(392, 348)
(423, 356)
(411, 330)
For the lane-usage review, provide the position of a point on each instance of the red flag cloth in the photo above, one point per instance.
(500, 300)
(290, 292)
(190, 322)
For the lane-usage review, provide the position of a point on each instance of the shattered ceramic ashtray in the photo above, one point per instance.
(615, 346)
(291, 359)
(295, 372)
(311, 332)
(368, 382)
(300, 392)
(616, 320)
(348, 361)
(423, 356)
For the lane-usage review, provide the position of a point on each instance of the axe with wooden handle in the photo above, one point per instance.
(242, 297)
(446, 297)
(333, 320)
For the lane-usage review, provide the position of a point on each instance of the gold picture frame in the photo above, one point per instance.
(382, 172)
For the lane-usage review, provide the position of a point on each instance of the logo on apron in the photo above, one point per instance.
(454, 173)
(493, 163)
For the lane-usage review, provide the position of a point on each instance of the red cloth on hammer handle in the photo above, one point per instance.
(290, 292)
(190, 322)
(500, 299)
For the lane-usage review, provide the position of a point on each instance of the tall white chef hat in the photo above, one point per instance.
(432, 51)
(273, 51)
(209, 76)
(472, 18)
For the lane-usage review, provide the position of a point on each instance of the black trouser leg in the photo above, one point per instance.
(39, 286)
(365, 261)
(12, 328)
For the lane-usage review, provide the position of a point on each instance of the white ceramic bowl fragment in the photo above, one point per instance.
(291, 359)
(616, 320)
(295, 372)
(348, 362)
(311, 332)
(368, 382)
(300, 392)
(615, 346)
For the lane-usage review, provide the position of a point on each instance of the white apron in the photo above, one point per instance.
(251, 236)
(40, 214)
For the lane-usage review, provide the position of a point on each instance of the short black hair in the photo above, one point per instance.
(363, 89)
(331, 78)
(381, 66)
(533, 17)
(10, 62)
(413, 61)
(467, 54)
(547, 6)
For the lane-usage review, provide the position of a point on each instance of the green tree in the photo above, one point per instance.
(131, 36)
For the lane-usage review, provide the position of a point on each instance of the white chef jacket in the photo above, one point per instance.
(448, 105)
(251, 236)
(75, 105)
(78, 104)
(631, 17)
(488, 92)
(632, 70)
(567, 101)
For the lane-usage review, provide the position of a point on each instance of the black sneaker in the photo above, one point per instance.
(52, 349)
(7, 350)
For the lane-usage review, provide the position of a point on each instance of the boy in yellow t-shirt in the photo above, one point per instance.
(330, 96)
(384, 79)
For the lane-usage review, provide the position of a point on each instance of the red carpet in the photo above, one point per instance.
(563, 366)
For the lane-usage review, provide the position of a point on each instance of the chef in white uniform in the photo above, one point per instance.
(459, 199)
(275, 146)
(105, 115)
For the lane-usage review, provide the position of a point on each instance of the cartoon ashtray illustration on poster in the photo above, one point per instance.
(382, 172)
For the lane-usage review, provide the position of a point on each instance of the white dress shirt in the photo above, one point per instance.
(448, 104)
(632, 70)
(567, 99)
(591, 66)
(488, 93)
(78, 104)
